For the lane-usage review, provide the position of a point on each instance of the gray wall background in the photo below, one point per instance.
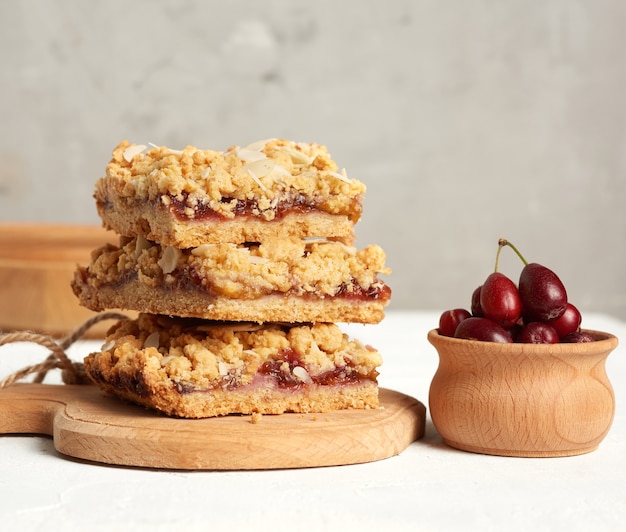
(468, 120)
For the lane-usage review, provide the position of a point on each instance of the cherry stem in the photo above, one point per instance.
(503, 242)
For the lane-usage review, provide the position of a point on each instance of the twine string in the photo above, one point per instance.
(71, 372)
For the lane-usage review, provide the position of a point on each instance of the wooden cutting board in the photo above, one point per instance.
(84, 423)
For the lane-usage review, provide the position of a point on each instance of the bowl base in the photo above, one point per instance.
(519, 453)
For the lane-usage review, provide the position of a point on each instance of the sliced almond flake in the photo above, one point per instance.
(206, 172)
(350, 250)
(203, 250)
(255, 259)
(223, 368)
(166, 359)
(141, 243)
(249, 156)
(260, 168)
(108, 346)
(258, 145)
(281, 171)
(342, 176)
(169, 259)
(132, 151)
(278, 173)
(297, 157)
(302, 374)
(279, 181)
(170, 150)
(256, 179)
(153, 340)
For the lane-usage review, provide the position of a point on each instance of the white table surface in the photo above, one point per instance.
(429, 486)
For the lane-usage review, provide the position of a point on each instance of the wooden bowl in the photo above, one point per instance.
(37, 263)
(528, 400)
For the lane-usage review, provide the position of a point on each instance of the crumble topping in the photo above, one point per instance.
(198, 354)
(318, 266)
(263, 174)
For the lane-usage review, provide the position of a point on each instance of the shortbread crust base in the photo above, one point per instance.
(136, 296)
(262, 399)
(155, 222)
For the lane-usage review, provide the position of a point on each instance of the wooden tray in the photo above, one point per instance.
(37, 264)
(89, 425)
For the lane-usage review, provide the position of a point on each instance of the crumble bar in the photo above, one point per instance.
(195, 368)
(274, 188)
(285, 280)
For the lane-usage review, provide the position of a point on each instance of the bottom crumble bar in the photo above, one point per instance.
(196, 368)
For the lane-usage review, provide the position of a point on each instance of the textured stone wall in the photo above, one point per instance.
(467, 119)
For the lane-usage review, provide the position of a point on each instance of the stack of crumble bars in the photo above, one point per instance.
(239, 263)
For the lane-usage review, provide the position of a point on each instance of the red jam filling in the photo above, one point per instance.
(201, 211)
(191, 280)
(377, 291)
(284, 379)
(344, 375)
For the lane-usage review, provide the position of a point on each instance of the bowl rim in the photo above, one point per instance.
(604, 340)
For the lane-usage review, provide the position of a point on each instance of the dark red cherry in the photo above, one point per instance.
(500, 301)
(568, 322)
(450, 319)
(577, 337)
(537, 332)
(543, 295)
(476, 308)
(482, 329)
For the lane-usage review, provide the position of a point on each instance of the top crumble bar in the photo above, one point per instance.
(185, 198)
